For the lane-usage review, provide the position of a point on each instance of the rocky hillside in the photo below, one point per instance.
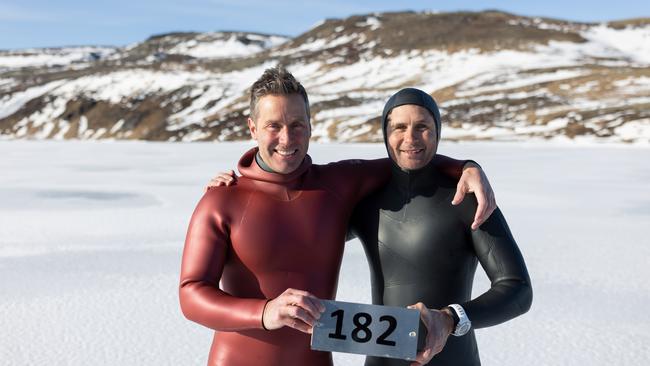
(496, 76)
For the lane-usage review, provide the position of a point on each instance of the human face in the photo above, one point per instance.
(282, 131)
(412, 139)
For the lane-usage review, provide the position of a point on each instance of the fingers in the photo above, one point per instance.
(474, 180)
(422, 357)
(427, 352)
(492, 203)
(461, 189)
(437, 324)
(228, 178)
(486, 202)
(480, 215)
(214, 182)
(424, 312)
(293, 308)
(222, 179)
(298, 318)
(304, 308)
(301, 326)
(308, 297)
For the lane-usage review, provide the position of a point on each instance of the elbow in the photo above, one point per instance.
(525, 297)
(519, 298)
(185, 297)
(187, 311)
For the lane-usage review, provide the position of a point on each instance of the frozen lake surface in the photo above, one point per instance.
(91, 236)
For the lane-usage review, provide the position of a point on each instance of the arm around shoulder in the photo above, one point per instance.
(359, 177)
(449, 166)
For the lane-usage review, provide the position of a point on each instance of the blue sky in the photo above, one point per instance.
(45, 23)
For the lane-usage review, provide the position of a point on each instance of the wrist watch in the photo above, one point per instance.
(461, 321)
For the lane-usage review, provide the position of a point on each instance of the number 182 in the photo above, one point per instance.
(361, 332)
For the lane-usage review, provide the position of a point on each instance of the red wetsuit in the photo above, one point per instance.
(267, 233)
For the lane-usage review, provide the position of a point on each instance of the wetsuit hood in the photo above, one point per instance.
(409, 96)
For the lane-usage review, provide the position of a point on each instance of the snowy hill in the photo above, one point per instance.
(64, 57)
(201, 45)
(497, 76)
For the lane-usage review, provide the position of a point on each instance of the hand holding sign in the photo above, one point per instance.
(439, 326)
(293, 308)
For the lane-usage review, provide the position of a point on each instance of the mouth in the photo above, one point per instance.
(412, 152)
(286, 152)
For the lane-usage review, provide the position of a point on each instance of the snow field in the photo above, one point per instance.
(91, 236)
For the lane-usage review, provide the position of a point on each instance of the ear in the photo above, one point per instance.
(252, 128)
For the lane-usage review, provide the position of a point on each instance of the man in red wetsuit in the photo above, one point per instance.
(259, 254)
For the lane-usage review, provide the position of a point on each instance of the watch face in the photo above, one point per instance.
(464, 328)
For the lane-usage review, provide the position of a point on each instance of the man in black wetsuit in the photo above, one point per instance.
(421, 249)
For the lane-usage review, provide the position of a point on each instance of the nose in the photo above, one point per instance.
(410, 135)
(284, 135)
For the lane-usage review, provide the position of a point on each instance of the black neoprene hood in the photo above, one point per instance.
(411, 96)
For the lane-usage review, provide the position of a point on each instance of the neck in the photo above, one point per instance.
(415, 182)
(262, 164)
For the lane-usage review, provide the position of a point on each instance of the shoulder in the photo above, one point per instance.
(222, 199)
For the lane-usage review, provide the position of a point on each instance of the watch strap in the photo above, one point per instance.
(454, 317)
(464, 324)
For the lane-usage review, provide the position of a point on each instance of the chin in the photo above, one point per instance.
(412, 166)
(285, 169)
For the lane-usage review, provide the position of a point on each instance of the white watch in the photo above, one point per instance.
(464, 324)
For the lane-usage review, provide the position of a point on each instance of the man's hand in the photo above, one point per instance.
(221, 179)
(439, 326)
(475, 180)
(293, 308)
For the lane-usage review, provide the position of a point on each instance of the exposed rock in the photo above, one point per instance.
(495, 75)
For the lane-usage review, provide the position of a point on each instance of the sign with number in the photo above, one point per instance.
(375, 330)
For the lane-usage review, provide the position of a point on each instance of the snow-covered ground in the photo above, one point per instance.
(91, 236)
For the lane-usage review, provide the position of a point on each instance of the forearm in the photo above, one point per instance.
(209, 306)
(374, 174)
(505, 300)
(357, 178)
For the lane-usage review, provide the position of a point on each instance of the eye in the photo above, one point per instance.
(297, 125)
(273, 126)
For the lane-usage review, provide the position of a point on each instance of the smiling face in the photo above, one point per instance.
(282, 131)
(411, 134)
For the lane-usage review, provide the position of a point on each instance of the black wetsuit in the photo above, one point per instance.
(421, 248)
